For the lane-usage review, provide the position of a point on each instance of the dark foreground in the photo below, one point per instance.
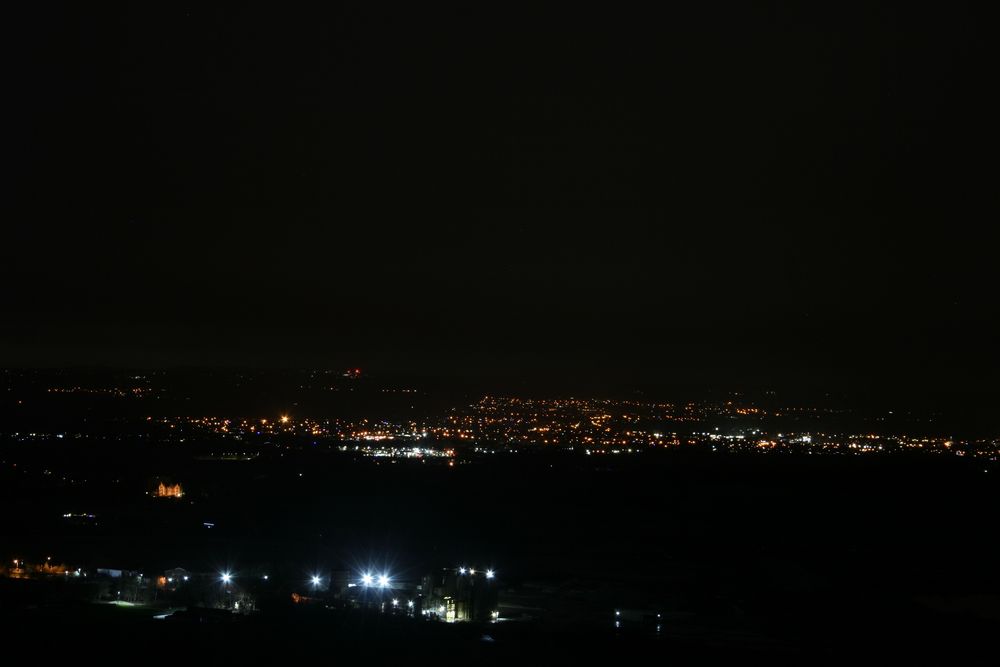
(778, 559)
(77, 630)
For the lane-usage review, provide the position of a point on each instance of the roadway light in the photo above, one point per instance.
(472, 571)
(383, 580)
(461, 570)
(409, 603)
(395, 603)
(489, 574)
(226, 577)
(366, 579)
(316, 580)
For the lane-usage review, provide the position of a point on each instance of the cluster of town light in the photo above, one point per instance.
(383, 581)
(367, 579)
(489, 573)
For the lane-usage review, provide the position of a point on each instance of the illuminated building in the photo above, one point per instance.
(461, 594)
(164, 491)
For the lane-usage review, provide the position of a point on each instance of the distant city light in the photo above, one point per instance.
(409, 603)
(395, 603)
(284, 419)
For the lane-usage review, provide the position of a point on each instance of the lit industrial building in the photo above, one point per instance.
(461, 594)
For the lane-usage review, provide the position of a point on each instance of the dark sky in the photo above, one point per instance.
(731, 194)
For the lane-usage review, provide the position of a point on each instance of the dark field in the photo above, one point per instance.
(772, 554)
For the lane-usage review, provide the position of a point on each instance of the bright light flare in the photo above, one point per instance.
(226, 577)
(490, 574)
(367, 579)
(383, 580)
(316, 580)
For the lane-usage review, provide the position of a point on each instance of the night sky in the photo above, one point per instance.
(734, 195)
